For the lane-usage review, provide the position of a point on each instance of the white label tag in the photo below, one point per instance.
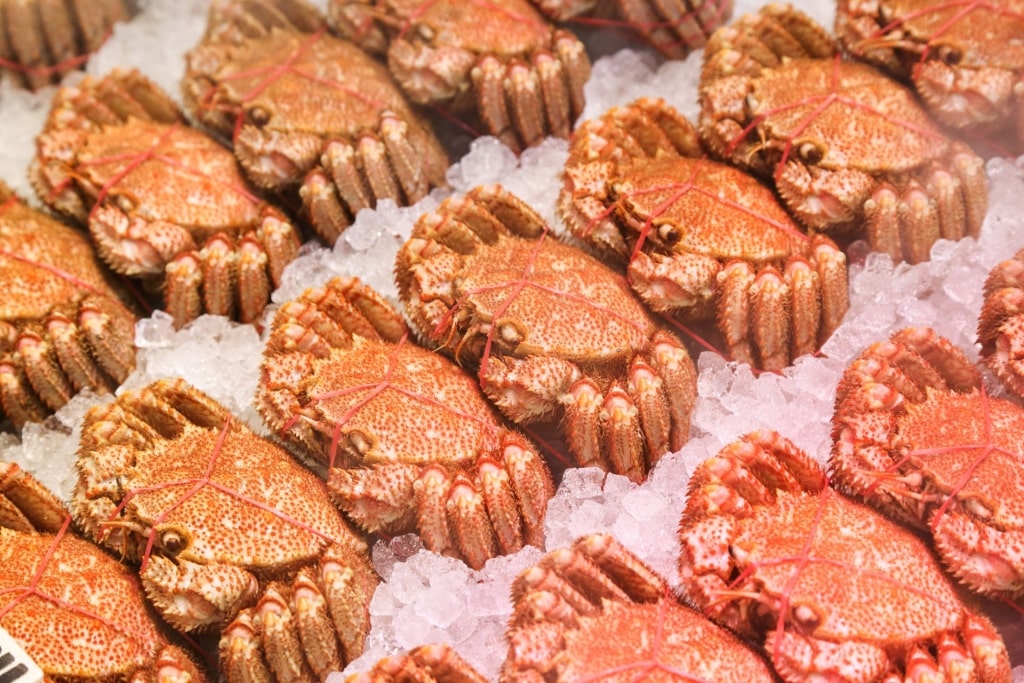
(15, 664)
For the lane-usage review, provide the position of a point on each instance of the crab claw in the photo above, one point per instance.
(194, 596)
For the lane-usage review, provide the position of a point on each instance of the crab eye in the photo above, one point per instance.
(669, 233)
(172, 542)
(809, 152)
(950, 54)
(258, 116)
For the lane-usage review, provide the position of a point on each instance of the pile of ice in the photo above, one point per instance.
(426, 598)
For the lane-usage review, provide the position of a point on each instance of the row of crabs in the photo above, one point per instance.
(232, 534)
(700, 240)
(621, 413)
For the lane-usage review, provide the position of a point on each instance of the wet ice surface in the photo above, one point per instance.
(426, 598)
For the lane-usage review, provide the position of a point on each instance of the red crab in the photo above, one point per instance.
(432, 663)
(559, 337)
(63, 327)
(916, 435)
(231, 533)
(40, 40)
(78, 613)
(834, 590)
(310, 112)
(499, 61)
(700, 239)
(1001, 323)
(964, 57)
(596, 612)
(409, 440)
(851, 152)
(162, 201)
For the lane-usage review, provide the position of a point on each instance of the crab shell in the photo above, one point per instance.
(834, 590)
(77, 612)
(62, 326)
(409, 439)
(313, 112)
(850, 151)
(594, 611)
(230, 531)
(500, 62)
(558, 336)
(916, 435)
(430, 663)
(964, 58)
(1001, 323)
(40, 41)
(701, 240)
(162, 201)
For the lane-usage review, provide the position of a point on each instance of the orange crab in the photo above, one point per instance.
(496, 59)
(431, 663)
(63, 327)
(916, 435)
(1001, 323)
(700, 239)
(309, 111)
(594, 611)
(410, 441)
(78, 613)
(230, 531)
(40, 41)
(833, 589)
(964, 58)
(162, 201)
(558, 336)
(850, 151)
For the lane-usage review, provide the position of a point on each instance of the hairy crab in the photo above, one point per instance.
(964, 58)
(700, 239)
(40, 40)
(916, 435)
(162, 201)
(594, 611)
(497, 61)
(63, 327)
(850, 151)
(231, 532)
(312, 112)
(1001, 323)
(558, 336)
(431, 663)
(78, 613)
(834, 590)
(410, 442)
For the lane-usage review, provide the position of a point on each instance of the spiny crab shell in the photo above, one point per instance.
(834, 590)
(701, 240)
(850, 151)
(308, 111)
(594, 611)
(430, 663)
(40, 41)
(231, 532)
(410, 441)
(964, 58)
(162, 201)
(916, 435)
(63, 327)
(78, 613)
(558, 336)
(1001, 323)
(499, 61)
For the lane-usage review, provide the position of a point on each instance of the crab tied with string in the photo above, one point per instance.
(231, 534)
